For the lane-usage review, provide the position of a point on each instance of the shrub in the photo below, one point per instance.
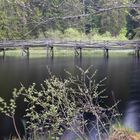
(73, 34)
(69, 105)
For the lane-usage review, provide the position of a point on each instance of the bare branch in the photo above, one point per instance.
(98, 11)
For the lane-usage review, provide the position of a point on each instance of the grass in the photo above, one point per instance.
(119, 132)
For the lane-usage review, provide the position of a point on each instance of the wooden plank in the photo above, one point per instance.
(111, 45)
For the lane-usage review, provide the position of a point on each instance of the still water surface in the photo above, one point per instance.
(123, 78)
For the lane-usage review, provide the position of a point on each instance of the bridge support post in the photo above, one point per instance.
(25, 50)
(50, 51)
(78, 51)
(47, 50)
(137, 52)
(3, 52)
(106, 52)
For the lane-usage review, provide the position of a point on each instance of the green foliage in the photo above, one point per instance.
(24, 19)
(76, 35)
(72, 33)
(122, 34)
(133, 22)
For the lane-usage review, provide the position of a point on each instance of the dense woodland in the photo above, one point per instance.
(26, 19)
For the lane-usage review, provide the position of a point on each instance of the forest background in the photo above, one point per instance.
(31, 19)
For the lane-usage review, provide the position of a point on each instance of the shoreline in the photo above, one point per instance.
(68, 52)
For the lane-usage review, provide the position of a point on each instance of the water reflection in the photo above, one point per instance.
(14, 71)
(119, 72)
(7, 129)
(132, 114)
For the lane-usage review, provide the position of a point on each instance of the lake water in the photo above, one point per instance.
(123, 78)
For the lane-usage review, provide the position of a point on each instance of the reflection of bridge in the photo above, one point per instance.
(76, 45)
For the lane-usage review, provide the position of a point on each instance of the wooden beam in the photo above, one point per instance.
(106, 52)
(43, 43)
(25, 51)
(50, 50)
(137, 52)
(78, 51)
(3, 51)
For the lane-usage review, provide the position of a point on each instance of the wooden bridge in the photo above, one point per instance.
(78, 46)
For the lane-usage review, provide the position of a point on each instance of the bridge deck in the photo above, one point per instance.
(76, 45)
(72, 44)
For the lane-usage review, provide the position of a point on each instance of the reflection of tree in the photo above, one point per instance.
(132, 114)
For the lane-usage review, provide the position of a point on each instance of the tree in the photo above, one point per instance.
(24, 19)
(133, 21)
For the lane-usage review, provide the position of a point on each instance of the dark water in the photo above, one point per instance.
(123, 78)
